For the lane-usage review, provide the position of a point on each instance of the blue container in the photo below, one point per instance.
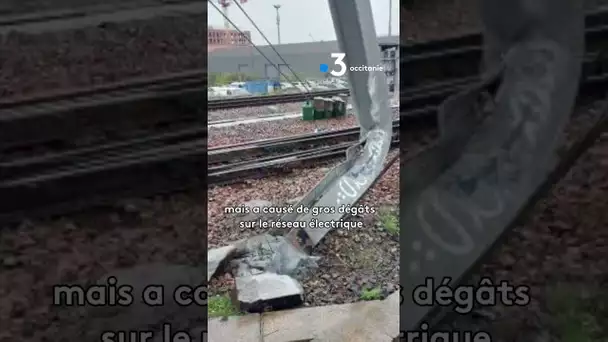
(256, 87)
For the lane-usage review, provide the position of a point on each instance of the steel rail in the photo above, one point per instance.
(223, 154)
(265, 100)
(227, 175)
(464, 61)
(596, 18)
(592, 85)
(324, 142)
(418, 104)
(16, 167)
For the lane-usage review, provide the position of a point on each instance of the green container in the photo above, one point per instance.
(329, 108)
(344, 98)
(319, 114)
(339, 107)
(335, 108)
(308, 111)
(319, 108)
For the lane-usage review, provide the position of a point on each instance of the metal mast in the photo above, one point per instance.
(277, 7)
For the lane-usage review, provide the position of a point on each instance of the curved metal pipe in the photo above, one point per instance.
(346, 184)
(535, 48)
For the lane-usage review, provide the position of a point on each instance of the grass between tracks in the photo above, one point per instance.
(578, 314)
(371, 294)
(389, 220)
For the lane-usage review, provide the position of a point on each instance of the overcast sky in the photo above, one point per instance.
(301, 21)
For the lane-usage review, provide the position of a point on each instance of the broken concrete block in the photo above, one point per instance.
(267, 291)
(217, 257)
(244, 270)
(273, 254)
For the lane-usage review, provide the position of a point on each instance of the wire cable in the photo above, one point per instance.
(250, 41)
(272, 46)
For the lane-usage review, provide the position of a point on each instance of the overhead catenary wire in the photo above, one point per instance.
(250, 41)
(307, 86)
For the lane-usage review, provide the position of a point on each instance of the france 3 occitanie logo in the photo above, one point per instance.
(339, 62)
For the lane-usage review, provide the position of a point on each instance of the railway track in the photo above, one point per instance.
(69, 150)
(460, 57)
(60, 119)
(251, 101)
(173, 160)
(308, 147)
(55, 118)
(77, 179)
(298, 149)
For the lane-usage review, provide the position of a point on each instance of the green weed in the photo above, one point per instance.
(373, 294)
(221, 306)
(389, 221)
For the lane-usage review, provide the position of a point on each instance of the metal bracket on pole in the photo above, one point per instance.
(344, 185)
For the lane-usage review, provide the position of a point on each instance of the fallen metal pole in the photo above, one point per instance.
(462, 208)
(345, 184)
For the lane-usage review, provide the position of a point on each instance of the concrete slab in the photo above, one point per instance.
(375, 321)
(259, 292)
(363, 321)
(333, 323)
(235, 329)
(303, 323)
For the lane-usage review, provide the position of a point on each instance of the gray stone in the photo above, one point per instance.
(257, 203)
(267, 291)
(362, 321)
(295, 200)
(218, 257)
(244, 270)
(139, 315)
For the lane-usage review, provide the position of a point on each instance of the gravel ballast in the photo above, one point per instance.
(253, 112)
(79, 249)
(35, 63)
(219, 136)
